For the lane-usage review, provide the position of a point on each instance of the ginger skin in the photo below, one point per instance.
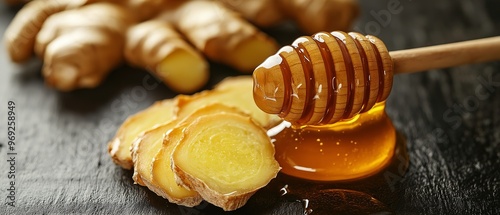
(310, 16)
(21, 34)
(61, 31)
(321, 15)
(81, 46)
(220, 33)
(156, 46)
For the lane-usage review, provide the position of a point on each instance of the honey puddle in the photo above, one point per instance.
(345, 150)
(351, 167)
(367, 195)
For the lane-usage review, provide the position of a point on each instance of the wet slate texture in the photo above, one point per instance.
(450, 119)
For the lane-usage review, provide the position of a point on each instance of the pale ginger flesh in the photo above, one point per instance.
(157, 165)
(146, 141)
(144, 153)
(226, 158)
(157, 114)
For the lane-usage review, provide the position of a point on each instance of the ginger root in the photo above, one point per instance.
(321, 15)
(310, 16)
(21, 34)
(156, 46)
(81, 46)
(226, 158)
(263, 13)
(220, 33)
(81, 41)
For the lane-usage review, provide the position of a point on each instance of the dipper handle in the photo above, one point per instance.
(447, 55)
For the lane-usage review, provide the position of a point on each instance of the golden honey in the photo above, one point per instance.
(332, 88)
(349, 149)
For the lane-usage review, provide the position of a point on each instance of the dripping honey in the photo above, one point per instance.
(346, 150)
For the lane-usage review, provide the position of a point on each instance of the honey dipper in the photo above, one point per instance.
(333, 76)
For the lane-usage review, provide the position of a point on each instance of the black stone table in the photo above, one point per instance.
(448, 121)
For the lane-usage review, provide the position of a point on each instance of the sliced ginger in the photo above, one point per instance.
(235, 92)
(152, 158)
(119, 147)
(143, 150)
(143, 153)
(225, 157)
(220, 118)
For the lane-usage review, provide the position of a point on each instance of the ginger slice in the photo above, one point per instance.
(144, 149)
(235, 92)
(160, 178)
(119, 147)
(226, 158)
(143, 154)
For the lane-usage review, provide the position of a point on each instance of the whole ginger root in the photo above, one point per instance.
(81, 41)
(79, 54)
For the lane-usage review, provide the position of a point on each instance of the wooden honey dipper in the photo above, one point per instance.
(329, 77)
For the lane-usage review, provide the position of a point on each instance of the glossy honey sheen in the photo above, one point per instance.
(342, 151)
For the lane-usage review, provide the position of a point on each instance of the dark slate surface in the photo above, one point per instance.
(450, 119)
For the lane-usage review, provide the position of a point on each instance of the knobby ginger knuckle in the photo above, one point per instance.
(81, 46)
(69, 65)
(226, 158)
(157, 114)
(21, 34)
